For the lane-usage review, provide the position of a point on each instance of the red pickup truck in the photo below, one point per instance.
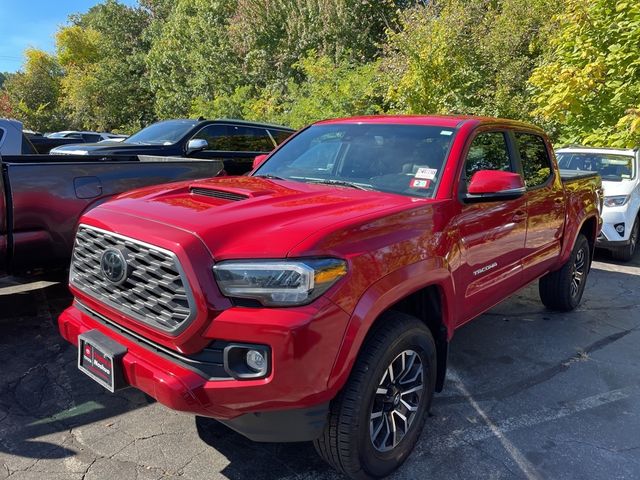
(315, 299)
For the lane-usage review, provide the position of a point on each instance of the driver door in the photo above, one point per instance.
(491, 233)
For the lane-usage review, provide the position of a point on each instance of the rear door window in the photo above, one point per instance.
(536, 164)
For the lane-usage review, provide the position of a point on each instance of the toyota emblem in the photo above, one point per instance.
(114, 266)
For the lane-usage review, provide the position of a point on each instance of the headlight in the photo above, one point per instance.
(279, 283)
(617, 201)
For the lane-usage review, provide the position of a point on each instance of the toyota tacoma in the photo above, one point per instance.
(315, 299)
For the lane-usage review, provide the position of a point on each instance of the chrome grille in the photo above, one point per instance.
(155, 291)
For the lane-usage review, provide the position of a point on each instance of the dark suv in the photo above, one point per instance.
(235, 142)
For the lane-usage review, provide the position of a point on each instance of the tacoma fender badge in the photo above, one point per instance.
(486, 268)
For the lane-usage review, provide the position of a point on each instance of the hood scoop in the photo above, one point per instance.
(215, 193)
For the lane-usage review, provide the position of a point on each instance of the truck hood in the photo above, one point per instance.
(624, 187)
(106, 148)
(251, 217)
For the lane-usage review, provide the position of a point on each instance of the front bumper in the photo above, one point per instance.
(609, 237)
(303, 353)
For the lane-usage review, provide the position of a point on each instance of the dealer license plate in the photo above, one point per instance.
(101, 359)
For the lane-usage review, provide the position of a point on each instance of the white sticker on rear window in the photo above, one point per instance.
(446, 132)
(426, 173)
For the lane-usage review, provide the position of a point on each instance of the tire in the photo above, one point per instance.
(401, 347)
(562, 290)
(624, 254)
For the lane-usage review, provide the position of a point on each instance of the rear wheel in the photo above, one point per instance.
(625, 253)
(377, 418)
(562, 290)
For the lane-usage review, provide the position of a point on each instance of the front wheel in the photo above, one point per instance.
(562, 290)
(377, 418)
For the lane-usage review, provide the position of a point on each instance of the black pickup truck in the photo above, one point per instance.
(42, 197)
(234, 142)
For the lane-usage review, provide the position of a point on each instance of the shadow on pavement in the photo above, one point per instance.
(258, 461)
(42, 394)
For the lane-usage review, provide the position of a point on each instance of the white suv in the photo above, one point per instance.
(619, 171)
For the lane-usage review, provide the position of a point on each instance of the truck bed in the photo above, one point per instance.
(42, 197)
(572, 175)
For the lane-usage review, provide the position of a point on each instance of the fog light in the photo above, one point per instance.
(256, 360)
(619, 228)
(246, 361)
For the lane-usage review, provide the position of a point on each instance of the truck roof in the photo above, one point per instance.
(451, 121)
(602, 150)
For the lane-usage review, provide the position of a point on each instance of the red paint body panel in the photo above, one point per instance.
(475, 254)
(491, 181)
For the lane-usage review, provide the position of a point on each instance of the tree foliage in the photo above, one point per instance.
(34, 93)
(466, 56)
(571, 65)
(588, 87)
(103, 53)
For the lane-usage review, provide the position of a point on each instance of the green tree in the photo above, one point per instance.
(190, 62)
(466, 56)
(33, 94)
(588, 87)
(103, 52)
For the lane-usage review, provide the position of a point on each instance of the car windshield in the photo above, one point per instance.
(403, 159)
(162, 133)
(611, 167)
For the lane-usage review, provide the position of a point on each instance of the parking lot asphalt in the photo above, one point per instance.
(530, 394)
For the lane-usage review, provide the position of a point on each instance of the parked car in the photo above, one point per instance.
(619, 171)
(316, 298)
(86, 137)
(234, 142)
(42, 196)
(12, 139)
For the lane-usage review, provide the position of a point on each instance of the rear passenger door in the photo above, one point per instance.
(545, 204)
(235, 145)
(491, 233)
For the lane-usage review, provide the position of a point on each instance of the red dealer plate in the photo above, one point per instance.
(100, 358)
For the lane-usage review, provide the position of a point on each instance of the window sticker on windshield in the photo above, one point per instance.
(417, 183)
(426, 173)
(446, 132)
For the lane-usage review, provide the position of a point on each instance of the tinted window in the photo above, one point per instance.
(162, 133)
(232, 138)
(488, 151)
(1, 135)
(280, 135)
(536, 164)
(404, 159)
(611, 167)
(90, 137)
(215, 135)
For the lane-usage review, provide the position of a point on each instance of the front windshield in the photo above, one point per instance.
(403, 159)
(162, 133)
(611, 167)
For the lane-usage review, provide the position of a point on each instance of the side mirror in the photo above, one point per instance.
(259, 160)
(196, 144)
(494, 185)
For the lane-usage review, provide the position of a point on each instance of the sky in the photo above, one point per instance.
(33, 23)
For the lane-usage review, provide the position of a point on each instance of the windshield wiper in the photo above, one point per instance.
(269, 176)
(339, 183)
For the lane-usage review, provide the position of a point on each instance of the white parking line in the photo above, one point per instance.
(463, 437)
